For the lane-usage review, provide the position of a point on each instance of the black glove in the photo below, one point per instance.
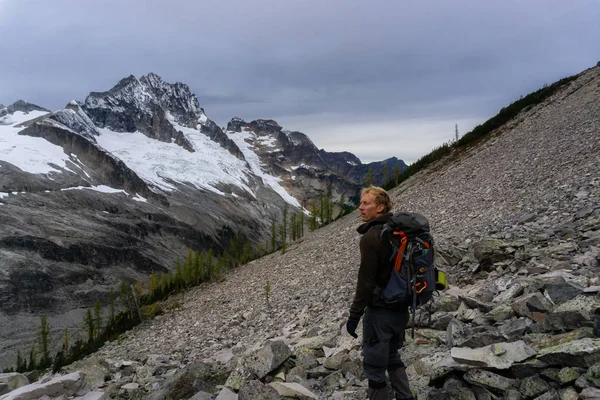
(351, 326)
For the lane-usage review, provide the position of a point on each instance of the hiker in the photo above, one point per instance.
(383, 326)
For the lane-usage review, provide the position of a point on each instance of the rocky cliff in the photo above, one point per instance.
(517, 222)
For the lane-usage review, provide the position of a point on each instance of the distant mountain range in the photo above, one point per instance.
(124, 182)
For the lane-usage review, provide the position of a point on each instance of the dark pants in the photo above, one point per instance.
(383, 336)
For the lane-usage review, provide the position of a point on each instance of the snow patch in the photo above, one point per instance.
(164, 164)
(31, 154)
(137, 197)
(3, 195)
(267, 141)
(241, 140)
(295, 167)
(98, 188)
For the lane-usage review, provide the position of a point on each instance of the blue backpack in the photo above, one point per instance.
(413, 273)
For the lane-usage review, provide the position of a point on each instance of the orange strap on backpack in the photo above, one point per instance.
(401, 250)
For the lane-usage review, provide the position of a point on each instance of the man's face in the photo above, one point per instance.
(368, 209)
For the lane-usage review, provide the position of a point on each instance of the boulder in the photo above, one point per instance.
(293, 390)
(497, 384)
(498, 355)
(226, 394)
(533, 386)
(11, 381)
(578, 353)
(528, 304)
(186, 382)
(266, 359)
(254, 389)
(560, 290)
(65, 385)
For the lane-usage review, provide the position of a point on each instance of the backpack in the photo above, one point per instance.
(414, 277)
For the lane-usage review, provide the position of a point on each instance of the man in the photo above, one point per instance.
(383, 327)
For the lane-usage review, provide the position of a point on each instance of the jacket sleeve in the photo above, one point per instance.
(369, 261)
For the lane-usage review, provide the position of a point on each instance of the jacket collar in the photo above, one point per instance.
(364, 228)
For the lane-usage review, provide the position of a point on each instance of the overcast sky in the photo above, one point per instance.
(377, 78)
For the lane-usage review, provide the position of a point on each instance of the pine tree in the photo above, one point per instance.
(202, 267)
(342, 201)
(284, 227)
(21, 364)
(282, 235)
(139, 291)
(246, 253)
(397, 174)
(314, 211)
(293, 226)
(89, 323)
(196, 268)
(322, 209)
(65, 343)
(178, 274)
(97, 318)
(385, 175)
(209, 264)
(369, 177)
(124, 294)
(44, 339)
(273, 236)
(301, 225)
(32, 359)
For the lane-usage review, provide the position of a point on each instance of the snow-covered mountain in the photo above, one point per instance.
(124, 182)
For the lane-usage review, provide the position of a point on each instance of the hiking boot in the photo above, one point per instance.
(379, 394)
(400, 384)
(379, 390)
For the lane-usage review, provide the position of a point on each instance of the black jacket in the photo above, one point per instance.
(375, 268)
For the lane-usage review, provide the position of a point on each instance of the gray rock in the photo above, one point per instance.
(184, 383)
(590, 393)
(293, 390)
(98, 395)
(226, 394)
(495, 383)
(66, 385)
(453, 389)
(580, 308)
(513, 291)
(549, 395)
(11, 381)
(578, 353)
(501, 312)
(447, 303)
(499, 355)
(202, 396)
(568, 394)
(268, 358)
(528, 304)
(336, 360)
(532, 386)
(456, 332)
(515, 328)
(559, 290)
(256, 390)
(474, 303)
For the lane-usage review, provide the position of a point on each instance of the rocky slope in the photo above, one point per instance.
(517, 221)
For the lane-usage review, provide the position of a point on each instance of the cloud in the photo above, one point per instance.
(392, 63)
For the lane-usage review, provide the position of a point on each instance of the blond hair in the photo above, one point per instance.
(381, 197)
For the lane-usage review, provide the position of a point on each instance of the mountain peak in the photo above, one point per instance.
(20, 105)
(147, 95)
